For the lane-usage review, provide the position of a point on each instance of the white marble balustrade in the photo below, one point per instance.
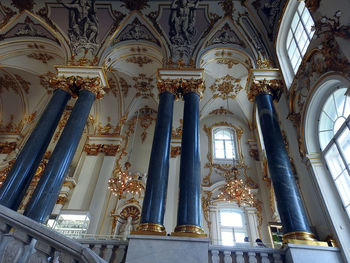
(245, 254)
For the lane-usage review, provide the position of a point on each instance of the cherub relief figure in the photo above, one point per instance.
(83, 22)
(182, 21)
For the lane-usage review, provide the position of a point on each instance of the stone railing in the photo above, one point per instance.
(245, 254)
(110, 250)
(24, 240)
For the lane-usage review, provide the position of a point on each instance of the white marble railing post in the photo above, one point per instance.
(264, 258)
(227, 257)
(215, 256)
(239, 257)
(252, 257)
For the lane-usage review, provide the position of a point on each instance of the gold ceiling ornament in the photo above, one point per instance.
(130, 211)
(125, 86)
(8, 83)
(91, 84)
(143, 85)
(227, 7)
(50, 81)
(108, 149)
(5, 170)
(236, 190)
(206, 202)
(147, 116)
(108, 129)
(138, 49)
(192, 85)
(230, 62)
(140, 60)
(175, 151)
(226, 87)
(331, 27)
(43, 57)
(7, 147)
(180, 63)
(61, 200)
(169, 85)
(123, 183)
(264, 63)
(274, 87)
(177, 133)
(112, 87)
(61, 124)
(11, 127)
(24, 84)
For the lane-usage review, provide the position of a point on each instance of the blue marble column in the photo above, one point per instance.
(189, 206)
(153, 208)
(27, 162)
(46, 193)
(288, 199)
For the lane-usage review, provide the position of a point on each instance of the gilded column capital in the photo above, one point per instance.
(91, 84)
(63, 83)
(192, 85)
(272, 87)
(169, 85)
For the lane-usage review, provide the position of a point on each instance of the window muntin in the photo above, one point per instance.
(334, 137)
(299, 35)
(224, 144)
(232, 227)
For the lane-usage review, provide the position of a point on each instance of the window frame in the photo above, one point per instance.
(281, 42)
(232, 131)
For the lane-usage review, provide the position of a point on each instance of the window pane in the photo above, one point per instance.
(326, 123)
(291, 49)
(330, 108)
(231, 219)
(239, 237)
(344, 144)
(347, 107)
(301, 7)
(219, 134)
(227, 238)
(219, 153)
(343, 185)
(334, 161)
(294, 22)
(339, 101)
(229, 149)
(298, 32)
(289, 38)
(348, 210)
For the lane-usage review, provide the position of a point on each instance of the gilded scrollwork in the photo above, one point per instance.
(226, 87)
(43, 57)
(274, 87)
(139, 60)
(192, 85)
(221, 111)
(169, 85)
(107, 149)
(175, 151)
(7, 147)
(108, 130)
(177, 133)
(143, 85)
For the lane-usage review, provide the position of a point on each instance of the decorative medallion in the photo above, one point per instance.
(226, 87)
(139, 60)
(143, 85)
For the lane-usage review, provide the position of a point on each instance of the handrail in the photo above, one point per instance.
(15, 227)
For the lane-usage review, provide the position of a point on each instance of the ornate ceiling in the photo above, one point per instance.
(131, 40)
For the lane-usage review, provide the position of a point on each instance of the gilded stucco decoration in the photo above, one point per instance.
(177, 132)
(169, 85)
(225, 169)
(5, 170)
(227, 7)
(225, 58)
(8, 83)
(147, 116)
(221, 111)
(192, 85)
(44, 13)
(61, 124)
(264, 64)
(113, 88)
(175, 151)
(8, 13)
(7, 147)
(139, 60)
(226, 87)
(11, 126)
(274, 87)
(107, 149)
(43, 57)
(108, 129)
(124, 86)
(143, 85)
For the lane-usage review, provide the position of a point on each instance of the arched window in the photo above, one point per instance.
(334, 137)
(294, 38)
(224, 144)
(232, 225)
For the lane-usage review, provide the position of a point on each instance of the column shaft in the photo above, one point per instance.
(152, 217)
(45, 195)
(189, 208)
(288, 199)
(27, 162)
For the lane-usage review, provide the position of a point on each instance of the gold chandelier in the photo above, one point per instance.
(236, 190)
(122, 183)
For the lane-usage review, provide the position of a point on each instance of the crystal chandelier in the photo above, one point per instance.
(236, 190)
(122, 183)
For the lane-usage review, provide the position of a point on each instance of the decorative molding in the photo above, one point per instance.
(8, 12)
(61, 124)
(226, 87)
(221, 111)
(192, 85)
(139, 60)
(4, 171)
(11, 126)
(8, 83)
(43, 57)
(227, 7)
(61, 200)
(24, 84)
(169, 85)
(118, 18)
(274, 87)
(175, 151)
(124, 86)
(143, 85)
(146, 117)
(177, 133)
(93, 85)
(225, 36)
(113, 88)
(43, 12)
(264, 64)
(108, 149)
(7, 147)
(108, 128)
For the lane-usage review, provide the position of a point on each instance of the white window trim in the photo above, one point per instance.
(323, 179)
(235, 144)
(281, 49)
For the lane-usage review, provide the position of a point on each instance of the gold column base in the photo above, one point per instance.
(150, 229)
(303, 238)
(189, 231)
